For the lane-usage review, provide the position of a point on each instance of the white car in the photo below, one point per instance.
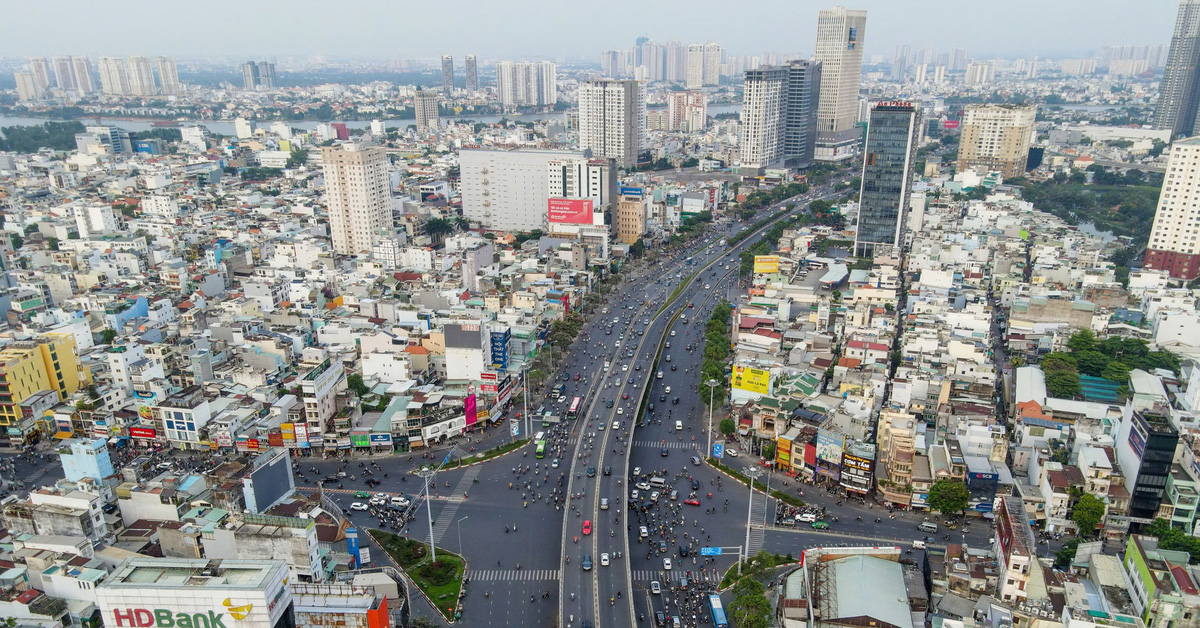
(667, 564)
(358, 506)
(604, 559)
(660, 375)
(562, 399)
(600, 427)
(378, 501)
(672, 333)
(617, 344)
(620, 410)
(655, 587)
(642, 486)
(554, 463)
(654, 496)
(732, 453)
(616, 425)
(624, 368)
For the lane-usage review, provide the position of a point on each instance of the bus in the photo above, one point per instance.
(717, 611)
(541, 449)
(576, 406)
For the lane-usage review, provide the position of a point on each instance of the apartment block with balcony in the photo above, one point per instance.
(1180, 499)
(1164, 592)
(28, 367)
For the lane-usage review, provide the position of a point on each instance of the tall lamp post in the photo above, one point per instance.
(712, 388)
(459, 526)
(427, 473)
(753, 473)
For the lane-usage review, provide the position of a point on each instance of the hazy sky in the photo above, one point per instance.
(553, 29)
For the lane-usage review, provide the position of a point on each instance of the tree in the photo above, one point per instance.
(1063, 384)
(1058, 362)
(949, 495)
(1116, 371)
(768, 451)
(355, 382)
(107, 336)
(1083, 340)
(1087, 514)
(1171, 538)
(1064, 556)
(52, 244)
(1091, 362)
(728, 427)
(438, 228)
(17, 241)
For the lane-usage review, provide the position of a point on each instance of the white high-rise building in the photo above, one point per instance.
(687, 111)
(612, 119)
(40, 68)
(26, 87)
(712, 63)
(676, 61)
(547, 83)
(979, 74)
(760, 134)
(243, 128)
(425, 108)
(114, 80)
(64, 73)
(841, 34)
(1174, 244)
(511, 190)
(695, 66)
(358, 197)
(527, 83)
(168, 78)
(82, 70)
(141, 77)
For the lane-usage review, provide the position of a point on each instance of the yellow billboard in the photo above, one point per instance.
(766, 263)
(753, 380)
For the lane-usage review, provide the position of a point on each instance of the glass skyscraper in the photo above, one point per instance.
(887, 170)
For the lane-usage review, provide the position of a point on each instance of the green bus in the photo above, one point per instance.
(541, 449)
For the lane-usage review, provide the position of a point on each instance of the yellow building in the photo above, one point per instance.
(28, 366)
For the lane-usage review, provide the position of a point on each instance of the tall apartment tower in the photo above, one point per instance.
(64, 73)
(26, 89)
(357, 195)
(675, 62)
(141, 77)
(687, 111)
(612, 120)
(1174, 244)
(266, 74)
(547, 83)
(168, 78)
(114, 80)
(40, 68)
(447, 75)
(695, 66)
(1179, 92)
(472, 75)
(249, 75)
(425, 110)
(958, 61)
(779, 116)
(82, 70)
(891, 146)
(996, 137)
(712, 63)
(840, 36)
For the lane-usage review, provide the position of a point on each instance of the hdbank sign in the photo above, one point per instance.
(164, 618)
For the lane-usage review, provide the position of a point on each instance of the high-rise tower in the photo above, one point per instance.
(840, 36)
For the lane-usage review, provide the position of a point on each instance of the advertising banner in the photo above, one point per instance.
(576, 211)
(243, 443)
(829, 446)
(766, 263)
(381, 439)
(626, 190)
(487, 377)
(514, 427)
(500, 350)
(950, 124)
(224, 440)
(488, 388)
(301, 434)
(275, 439)
(469, 407)
(142, 432)
(750, 379)
(360, 439)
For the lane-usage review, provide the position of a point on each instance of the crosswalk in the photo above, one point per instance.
(670, 444)
(514, 574)
(446, 517)
(648, 575)
(758, 509)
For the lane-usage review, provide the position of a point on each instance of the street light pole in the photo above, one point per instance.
(459, 526)
(427, 473)
(752, 473)
(712, 386)
(525, 396)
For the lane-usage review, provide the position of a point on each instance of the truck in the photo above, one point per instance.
(722, 243)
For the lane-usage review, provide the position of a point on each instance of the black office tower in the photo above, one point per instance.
(892, 133)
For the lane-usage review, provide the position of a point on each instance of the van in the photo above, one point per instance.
(928, 526)
(679, 426)
(674, 496)
(919, 545)
(658, 483)
(807, 517)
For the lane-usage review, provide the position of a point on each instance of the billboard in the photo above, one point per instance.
(500, 350)
(576, 211)
(950, 124)
(829, 446)
(269, 482)
(360, 439)
(142, 432)
(469, 406)
(381, 439)
(766, 263)
(626, 190)
(753, 380)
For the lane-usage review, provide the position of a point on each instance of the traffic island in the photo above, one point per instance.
(757, 568)
(494, 452)
(440, 582)
(759, 485)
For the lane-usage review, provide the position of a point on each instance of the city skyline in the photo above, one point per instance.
(83, 30)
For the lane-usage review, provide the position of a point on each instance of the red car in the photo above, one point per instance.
(692, 502)
(691, 305)
(625, 396)
(587, 526)
(577, 377)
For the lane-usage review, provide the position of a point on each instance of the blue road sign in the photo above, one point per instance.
(718, 450)
(710, 551)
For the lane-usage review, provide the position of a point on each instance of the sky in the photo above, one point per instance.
(560, 29)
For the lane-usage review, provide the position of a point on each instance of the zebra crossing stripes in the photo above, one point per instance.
(670, 444)
(514, 574)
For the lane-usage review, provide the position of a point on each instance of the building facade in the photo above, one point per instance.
(760, 144)
(357, 194)
(996, 137)
(1174, 244)
(841, 34)
(425, 109)
(168, 77)
(472, 74)
(887, 171)
(1179, 92)
(447, 75)
(612, 120)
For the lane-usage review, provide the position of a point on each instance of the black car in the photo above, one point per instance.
(662, 397)
(672, 367)
(608, 403)
(665, 452)
(608, 470)
(662, 547)
(675, 401)
(683, 552)
(695, 485)
(660, 618)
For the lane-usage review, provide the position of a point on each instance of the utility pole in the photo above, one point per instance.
(712, 383)
(751, 472)
(427, 473)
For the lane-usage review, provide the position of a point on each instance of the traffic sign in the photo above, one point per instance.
(710, 551)
(718, 450)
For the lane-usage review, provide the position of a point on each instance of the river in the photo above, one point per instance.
(225, 127)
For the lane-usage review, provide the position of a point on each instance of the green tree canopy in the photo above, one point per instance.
(1063, 384)
(1087, 514)
(355, 383)
(728, 427)
(948, 496)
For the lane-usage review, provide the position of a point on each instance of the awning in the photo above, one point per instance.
(63, 435)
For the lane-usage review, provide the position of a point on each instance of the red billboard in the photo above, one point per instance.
(950, 124)
(470, 409)
(576, 211)
(142, 432)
